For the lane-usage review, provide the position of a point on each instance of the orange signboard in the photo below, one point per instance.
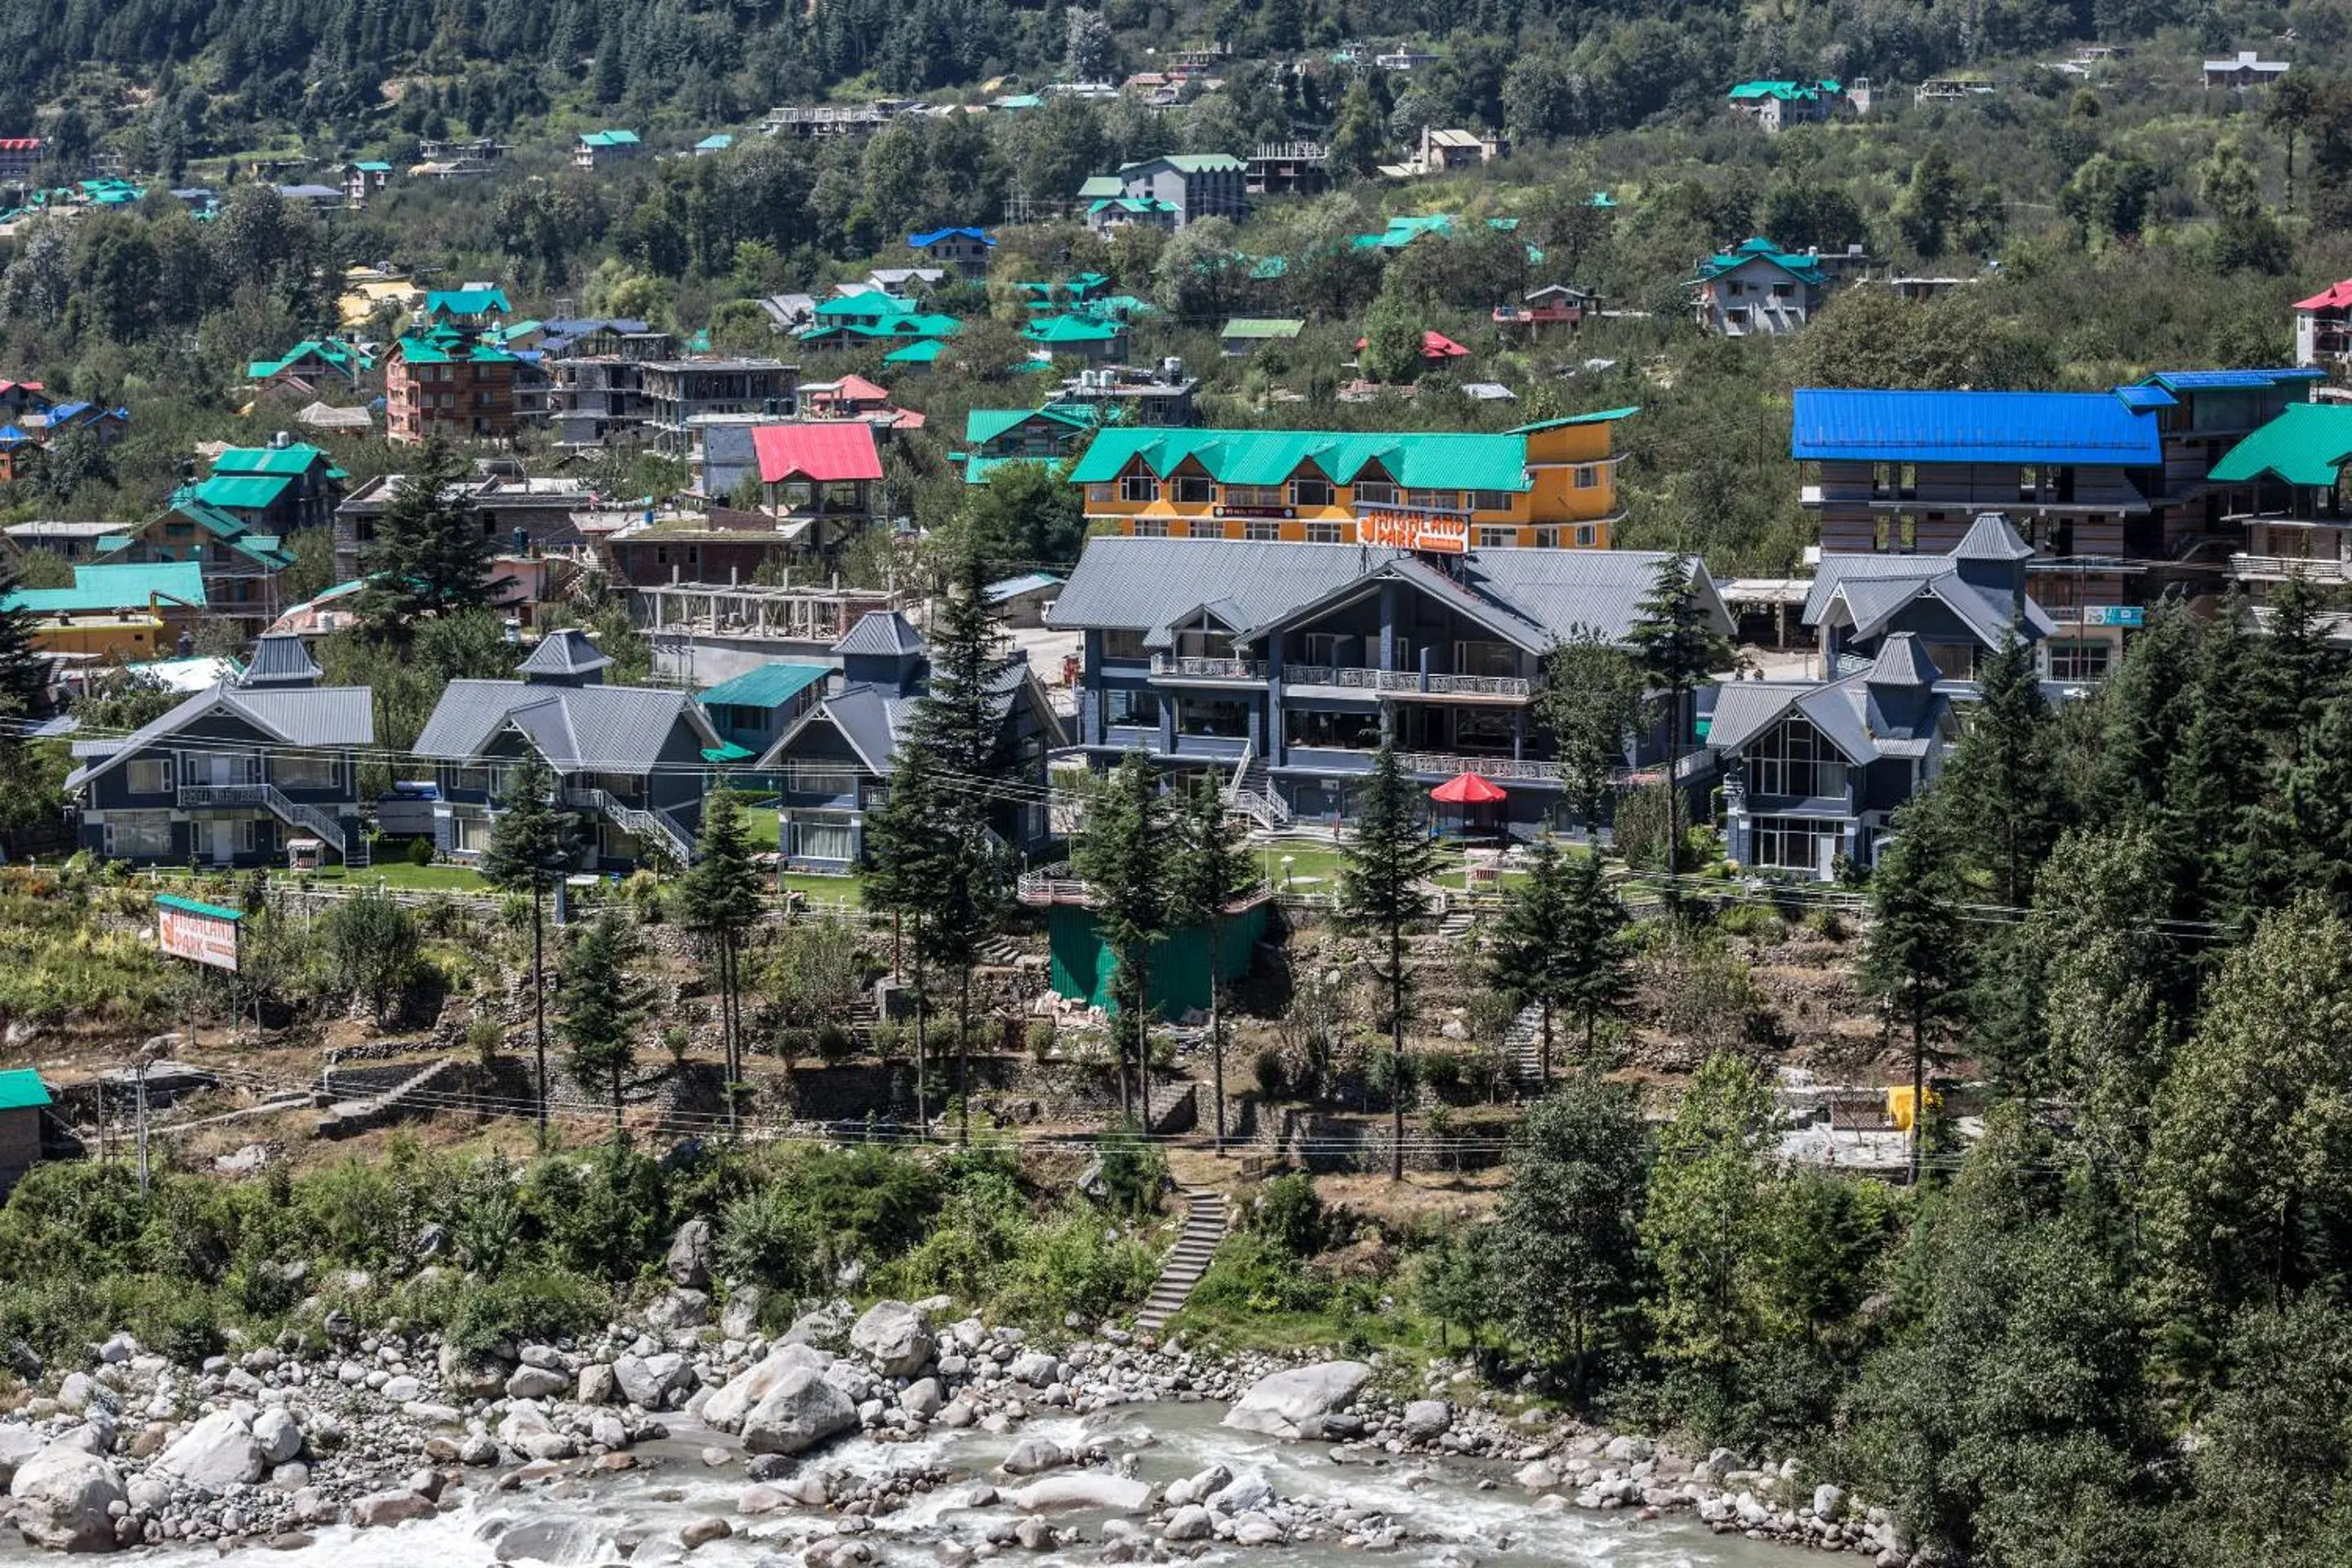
(1415, 530)
(201, 933)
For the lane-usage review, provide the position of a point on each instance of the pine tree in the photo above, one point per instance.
(722, 894)
(2215, 780)
(1523, 951)
(1208, 868)
(533, 843)
(1998, 778)
(2141, 713)
(1916, 961)
(24, 673)
(601, 1010)
(2299, 836)
(1123, 856)
(429, 556)
(1591, 696)
(1593, 953)
(901, 839)
(1674, 640)
(2299, 667)
(1387, 857)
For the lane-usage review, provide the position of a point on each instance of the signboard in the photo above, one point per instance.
(1278, 512)
(2114, 615)
(1415, 530)
(201, 933)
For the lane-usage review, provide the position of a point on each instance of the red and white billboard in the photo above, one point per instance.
(198, 932)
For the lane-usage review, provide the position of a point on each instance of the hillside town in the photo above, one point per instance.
(858, 785)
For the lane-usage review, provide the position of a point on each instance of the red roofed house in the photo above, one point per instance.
(2322, 325)
(19, 156)
(854, 398)
(823, 478)
(1435, 347)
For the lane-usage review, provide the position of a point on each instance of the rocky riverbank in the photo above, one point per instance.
(839, 1427)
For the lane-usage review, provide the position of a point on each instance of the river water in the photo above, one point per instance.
(672, 1489)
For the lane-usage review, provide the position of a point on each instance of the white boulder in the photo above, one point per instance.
(1297, 1402)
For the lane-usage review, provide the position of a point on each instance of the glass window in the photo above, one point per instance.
(1323, 534)
(1483, 729)
(827, 837)
(1195, 488)
(1795, 760)
(1797, 842)
(1587, 535)
(1252, 495)
(1123, 645)
(1138, 487)
(1588, 477)
(1491, 501)
(139, 832)
(150, 776)
(821, 781)
(1376, 492)
(1337, 732)
(1150, 527)
(1216, 716)
(1954, 660)
(2079, 660)
(1312, 493)
(1498, 538)
(1130, 706)
(1262, 530)
(303, 773)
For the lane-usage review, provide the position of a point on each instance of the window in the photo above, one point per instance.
(1588, 477)
(1485, 658)
(303, 773)
(1438, 500)
(833, 782)
(139, 832)
(1324, 534)
(1491, 501)
(820, 837)
(1587, 535)
(1320, 647)
(1482, 729)
(1254, 495)
(1262, 530)
(1899, 532)
(1312, 493)
(473, 781)
(1123, 645)
(1954, 660)
(1498, 538)
(1796, 844)
(150, 776)
(1794, 759)
(1335, 731)
(1213, 716)
(2029, 485)
(1128, 707)
(2079, 660)
(1138, 487)
(1375, 492)
(1150, 527)
(1195, 489)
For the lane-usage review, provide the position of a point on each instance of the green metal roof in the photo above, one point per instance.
(440, 348)
(861, 305)
(21, 1088)
(1191, 163)
(1098, 187)
(1262, 327)
(123, 586)
(608, 138)
(1804, 268)
(921, 351)
(373, 166)
(983, 424)
(1417, 460)
(978, 470)
(467, 302)
(1070, 330)
(2304, 446)
(1604, 416)
(770, 685)
(727, 751)
(243, 492)
(174, 901)
(288, 461)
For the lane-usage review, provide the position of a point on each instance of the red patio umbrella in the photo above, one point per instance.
(1467, 789)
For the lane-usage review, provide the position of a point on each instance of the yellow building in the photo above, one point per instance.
(130, 612)
(1547, 486)
(365, 288)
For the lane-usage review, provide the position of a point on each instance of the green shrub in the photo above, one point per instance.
(1074, 1263)
(767, 1238)
(836, 1042)
(1251, 1273)
(1265, 1072)
(420, 852)
(1291, 1216)
(528, 1304)
(483, 1037)
(1439, 1070)
(1041, 1038)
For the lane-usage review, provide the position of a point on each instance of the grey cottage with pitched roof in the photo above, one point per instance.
(629, 759)
(233, 773)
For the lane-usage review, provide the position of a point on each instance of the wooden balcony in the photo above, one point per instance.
(1407, 682)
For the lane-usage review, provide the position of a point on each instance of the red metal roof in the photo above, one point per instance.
(828, 450)
(2335, 296)
(1468, 789)
(20, 143)
(1433, 345)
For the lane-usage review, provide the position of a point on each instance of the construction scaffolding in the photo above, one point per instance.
(703, 632)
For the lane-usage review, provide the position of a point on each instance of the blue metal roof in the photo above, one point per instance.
(2146, 397)
(2087, 428)
(2227, 380)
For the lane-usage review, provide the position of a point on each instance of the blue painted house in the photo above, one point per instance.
(750, 713)
(1957, 608)
(231, 775)
(630, 760)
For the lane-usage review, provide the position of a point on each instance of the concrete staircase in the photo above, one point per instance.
(1524, 1043)
(347, 1116)
(1204, 1228)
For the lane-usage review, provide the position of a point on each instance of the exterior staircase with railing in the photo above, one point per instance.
(321, 825)
(652, 826)
(1251, 792)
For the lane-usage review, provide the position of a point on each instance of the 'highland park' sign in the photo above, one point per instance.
(201, 933)
(1440, 532)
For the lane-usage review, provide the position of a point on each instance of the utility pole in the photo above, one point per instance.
(142, 1078)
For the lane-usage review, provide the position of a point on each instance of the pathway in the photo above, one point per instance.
(1204, 1228)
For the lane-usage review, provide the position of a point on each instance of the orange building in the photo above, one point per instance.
(1551, 484)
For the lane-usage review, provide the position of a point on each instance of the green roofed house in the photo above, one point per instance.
(1179, 187)
(2285, 479)
(207, 524)
(902, 325)
(1079, 337)
(1776, 105)
(995, 436)
(24, 1101)
(752, 712)
(311, 366)
(465, 307)
(131, 611)
(597, 148)
(1757, 289)
(920, 354)
(1244, 335)
(710, 146)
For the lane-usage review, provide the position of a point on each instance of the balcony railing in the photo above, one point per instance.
(1353, 678)
(2280, 567)
(1523, 769)
(1199, 669)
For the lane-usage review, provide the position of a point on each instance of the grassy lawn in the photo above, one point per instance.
(1315, 867)
(849, 891)
(401, 875)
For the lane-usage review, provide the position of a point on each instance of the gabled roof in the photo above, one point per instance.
(2083, 429)
(823, 452)
(771, 684)
(618, 729)
(280, 659)
(1262, 327)
(1071, 330)
(1446, 461)
(608, 138)
(21, 1089)
(566, 651)
(242, 492)
(2335, 296)
(125, 587)
(1902, 662)
(1803, 268)
(1873, 588)
(319, 716)
(1191, 164)
(1599, 416)
(2307, 444)
(886, 632)
(984, 425)
(1990, 538)
(925, 241)
(467, 302)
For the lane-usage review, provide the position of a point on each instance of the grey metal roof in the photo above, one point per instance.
(618, 727)
(1136, 585)
(321, 717)
(1861, 714)
(1903, 662)
(883, 632)
(1561, 590)
(281, 658)
(1990, 538)
(564, 652)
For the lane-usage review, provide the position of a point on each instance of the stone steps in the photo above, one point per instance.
(1205, 1223)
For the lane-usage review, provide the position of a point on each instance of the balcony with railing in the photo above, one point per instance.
(1187, 667)
(1405, 682)
(2279, 568)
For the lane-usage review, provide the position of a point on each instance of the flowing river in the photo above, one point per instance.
(594, 1521)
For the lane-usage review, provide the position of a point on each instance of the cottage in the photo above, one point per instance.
(1548, 485)
(835, 761)
(752, 712)
(234, 771)
(66, 541)
(1245, 335)
(1169, 191)
(2323, 326)
(277, 488)
(452, 381)
(823, 483)
(710, 146)
(1281, 667)
(965, 249)
(1957, 608)
(364, 178)
(240, 562)
(1020, 603)
(627, 759)
(476, 306)
(598, 149)
(1774, 106)
(312, 366)
(1086, 338)
(2244, 72)
(2285, 488)
(1553, 305)
(23, 1108)
(120, 611)
(1757, 288)
(995, 436)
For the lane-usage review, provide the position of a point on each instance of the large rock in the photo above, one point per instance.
(380, 1509)
(1425, 1420)
(536, 1382)
(1093, 1490)
(218, 1452)
(18, 1444)
(647, 1380)
(723, 1409)
(1299, 1403)
(800, 1412)
(689, 1256)
(279, 1437)
(1034, 1456)
(66, 1497)
(680, 1308)
(898, 1336)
